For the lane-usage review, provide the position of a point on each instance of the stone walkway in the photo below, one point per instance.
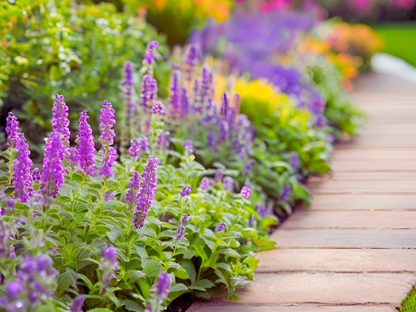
(355, 248)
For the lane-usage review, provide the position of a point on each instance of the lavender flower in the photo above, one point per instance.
(12, 129)
(85, 151)
(218, 175)
(134, 186)
(134, 149)
(60, 121)
(211, 141)
(225, 103)
(22, 179)
(107, 139)
(245, 191)
(52, 176)
(204, 184)
(207, 83)
(198, 98)
(182, 226)
(320, 122)
(294, 161)
(261, 209)
(221, 227)
(175, 91)
(158, 108)
(77, 304)
(251, 221)
(149, 54)
(248, 167)
(163, 283)
(13, 288)
(107, 123)
(153, 45)
(286, 190)
(236, 103)
(184, 107)
(225, 129)
(186, 191)
(149, 92)
(228, 183)
(110, 255)
(146, 194)
(191, 60)
(109, 265)
(128, 75)
(316, 105)
(144, 144)
(189, 146)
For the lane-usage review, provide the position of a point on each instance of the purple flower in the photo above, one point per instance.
(286, 190)
(153, 45)
(86, 149)
(189, 146)
(207, 84)
(14, 288)
(109, 254)
(261, 209)
(294, 161)
(158, 108)
(128, 74)
(211, 141)
(198, 98)
(245, 191)
(225, 129)
(182, 226)
(149, 92)
(52, 176)
(316, 105)
(73, 157)
(228, 183)
(236, 105)
(60, 121)
(248, 167)
(134, 149)
(22, 179)
(134, 186)
(251, 221)
(186, 191)
(108, 159)
(77, 304)
(144, 144)
(175, 91)
(221, 227)
(218, 175)
(191, 60)
(146, 194)
(12, 129)
(320, 122)
(163, 283)
(331, 137)
(184, 102)
(107, 123)
(225, 103)
(204, 184)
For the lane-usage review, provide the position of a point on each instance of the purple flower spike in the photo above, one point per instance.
(163, 283)
(225, 103)
(109, 254)
(182, 226)
(186, 191)
(261, 209)
(248, 167)
(294, 161)
(286, 190)
(225, 129)
(218, 175)
(12, 129)
(153, 45)
(221, 227)
(134, 186)
(204, 184)
(207, 83)
(175, 91)
(14, 288)
(128, 74)
(211, 141)
(108, 161)
(107, 123)
(149, 92)
(22, 179)
(77, 304)
(158, 108)
(60, 121)
(245, 191)
(228, 183)
(52, 176)
(317, 105)
(146, 194)
(189, 146)
(148, 57)
(134, 149)
(144, 144)
(86, 149)
(251, 221)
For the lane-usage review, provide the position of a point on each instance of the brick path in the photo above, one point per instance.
(355, 248)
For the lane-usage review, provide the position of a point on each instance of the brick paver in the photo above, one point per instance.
(355, 248)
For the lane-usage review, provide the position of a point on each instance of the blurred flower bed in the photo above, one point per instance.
(162, 170)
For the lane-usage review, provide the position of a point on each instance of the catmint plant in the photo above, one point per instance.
(221, 227)
(186, 191)
(60, 121)
(159, 293)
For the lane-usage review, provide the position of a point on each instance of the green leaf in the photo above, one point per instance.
(132, 305)
(152, 268)
(176, 290)
(203, 284)
(230, 252)
(64, 281)
(133, 276)
(189, 267)
(100, 310)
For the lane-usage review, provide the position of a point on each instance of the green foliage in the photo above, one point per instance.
(409, 303)
(52, 46)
